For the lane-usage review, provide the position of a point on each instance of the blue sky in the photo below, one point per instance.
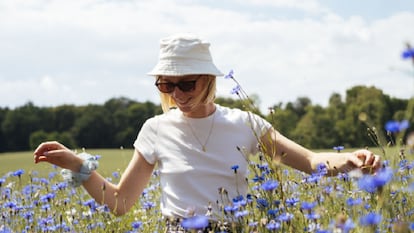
(57, 52)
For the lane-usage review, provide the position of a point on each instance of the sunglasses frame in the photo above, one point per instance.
(180, 85)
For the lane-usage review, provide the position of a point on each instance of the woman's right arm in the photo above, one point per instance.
(121, 197)
(118, 197)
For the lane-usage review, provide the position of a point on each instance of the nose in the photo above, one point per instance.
(177, 93)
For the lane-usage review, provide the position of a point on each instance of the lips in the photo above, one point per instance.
(182, 102)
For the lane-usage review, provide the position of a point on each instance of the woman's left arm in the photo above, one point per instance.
(296, 156)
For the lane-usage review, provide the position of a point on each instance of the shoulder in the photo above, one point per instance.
(238, 116)
(169, 116)
(232, 113)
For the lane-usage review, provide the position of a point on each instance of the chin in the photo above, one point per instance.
(185, 109)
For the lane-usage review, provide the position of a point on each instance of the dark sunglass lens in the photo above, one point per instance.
(165, 87)
(186, 85)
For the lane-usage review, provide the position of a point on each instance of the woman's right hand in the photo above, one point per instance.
(55, 153)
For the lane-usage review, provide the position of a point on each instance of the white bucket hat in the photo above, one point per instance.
(184, 54)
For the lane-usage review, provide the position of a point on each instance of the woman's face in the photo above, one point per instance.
(184, 90)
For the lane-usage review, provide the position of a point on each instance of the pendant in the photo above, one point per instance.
(204, 148)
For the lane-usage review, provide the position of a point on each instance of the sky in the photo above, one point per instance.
(55, 52)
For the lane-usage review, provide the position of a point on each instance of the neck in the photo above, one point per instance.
(201, 111)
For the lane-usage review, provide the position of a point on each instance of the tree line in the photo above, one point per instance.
(357, 120)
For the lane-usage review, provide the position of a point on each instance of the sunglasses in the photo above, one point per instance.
(168, 87)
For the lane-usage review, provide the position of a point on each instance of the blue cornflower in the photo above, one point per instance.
(409, 53)
(322, 169)
(258, 178)
(370, 183)
(239, 202)
(352, 202)
(236, 90)
(46, 207)
(396, 126)
(91, 203)
(4, 229)
(383, 177)
(285, 217)
(292, 201)
(370, 219)
(18, 173)
(273, 225)
(235, 167)
(237, 198)
(196, 222)
(242, 213)
(308, 205)
(273, 212)
(60, 186)
(270, 185)
(253, 224)
(312, 216)
(229, 75)
(10, 205)
(44, 181)
(2, 181)
(28, 215)
(347, 226)
(115, 175)
(262, 203)
(339, 148)
(47, 197)
(148, 205)
(136, 225)
(52, 175)
(230, 208)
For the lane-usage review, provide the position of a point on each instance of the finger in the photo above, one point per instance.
(365, 155)
(47, 146)
(377, 162)
(357, 161)
(47, 156)
(41, 159)
(370, 159)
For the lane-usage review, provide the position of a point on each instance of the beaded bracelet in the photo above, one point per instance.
(75, 179)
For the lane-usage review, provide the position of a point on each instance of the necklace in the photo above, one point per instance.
(203, 145)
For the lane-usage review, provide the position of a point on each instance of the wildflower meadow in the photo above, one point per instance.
(280, 199)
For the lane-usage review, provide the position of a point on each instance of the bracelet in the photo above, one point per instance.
(75, 179)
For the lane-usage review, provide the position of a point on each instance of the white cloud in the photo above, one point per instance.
(93, 50)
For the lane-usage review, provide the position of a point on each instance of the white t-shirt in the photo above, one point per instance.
(189, 177)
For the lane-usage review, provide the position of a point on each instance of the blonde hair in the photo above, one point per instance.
(207, 95)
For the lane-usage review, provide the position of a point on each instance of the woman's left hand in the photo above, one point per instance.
(370, 161)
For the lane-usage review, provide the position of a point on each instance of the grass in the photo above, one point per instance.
(111, 160)
(34, 201)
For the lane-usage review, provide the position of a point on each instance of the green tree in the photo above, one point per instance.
(315, 129)
(19, 123)
(336, 113)
(284, 120)
(3, 147)
(94, 129)
(40, 136)
(64, 117)
(365, 109)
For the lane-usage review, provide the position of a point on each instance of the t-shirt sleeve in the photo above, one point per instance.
(146, 140)
(259, 125)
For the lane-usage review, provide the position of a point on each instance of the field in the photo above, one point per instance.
(112, 160)
(34, 199)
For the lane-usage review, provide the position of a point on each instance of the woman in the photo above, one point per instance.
(195, 142)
